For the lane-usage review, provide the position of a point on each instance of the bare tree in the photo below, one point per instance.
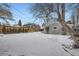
(42, 11)
(74, 34)
(5, 13)
(60, 9)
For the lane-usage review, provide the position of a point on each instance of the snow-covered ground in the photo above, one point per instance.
(34, 44)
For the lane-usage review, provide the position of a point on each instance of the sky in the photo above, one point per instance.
(21, 12)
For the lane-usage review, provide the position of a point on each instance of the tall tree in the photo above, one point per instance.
(59, 8)
(73, 33)
(42, 11)
(20, 23)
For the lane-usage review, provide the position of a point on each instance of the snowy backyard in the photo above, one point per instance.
(35, 44)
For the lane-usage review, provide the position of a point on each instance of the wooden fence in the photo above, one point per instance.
(12, 29)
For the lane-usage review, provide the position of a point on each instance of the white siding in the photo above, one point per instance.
(55, 28)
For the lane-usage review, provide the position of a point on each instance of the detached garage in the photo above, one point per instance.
(53, 28)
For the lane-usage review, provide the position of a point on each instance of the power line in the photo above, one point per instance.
(22, 13)
(19, 11)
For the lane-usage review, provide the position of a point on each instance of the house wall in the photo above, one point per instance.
(76, 20)
(55, 28)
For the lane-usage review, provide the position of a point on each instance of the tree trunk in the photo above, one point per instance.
(74, 34)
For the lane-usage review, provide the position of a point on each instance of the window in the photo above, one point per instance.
(55, 27)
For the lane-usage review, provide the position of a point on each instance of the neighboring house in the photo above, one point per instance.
(70, 24)
(16, 25)
(32, 27)
(76, 20)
